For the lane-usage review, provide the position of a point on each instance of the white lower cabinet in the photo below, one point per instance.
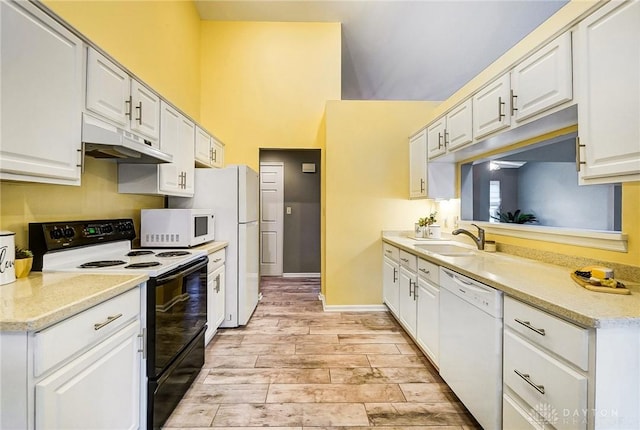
(391, 278)
(215, 293)
(85, 372)
(539, 374)
(99, 389)
(408, 283)
(428, 309)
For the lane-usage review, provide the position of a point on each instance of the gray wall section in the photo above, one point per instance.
(302, 194)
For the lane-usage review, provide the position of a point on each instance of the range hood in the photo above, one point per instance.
(103, 140)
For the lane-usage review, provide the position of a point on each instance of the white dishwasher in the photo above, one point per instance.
(471, 345)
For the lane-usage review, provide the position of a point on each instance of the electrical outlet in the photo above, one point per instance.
(288, 210)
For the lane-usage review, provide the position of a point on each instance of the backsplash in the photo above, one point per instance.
(97, 198)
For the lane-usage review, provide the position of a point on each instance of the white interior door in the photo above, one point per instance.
(271, 218)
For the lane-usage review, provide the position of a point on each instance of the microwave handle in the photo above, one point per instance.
(168, 278)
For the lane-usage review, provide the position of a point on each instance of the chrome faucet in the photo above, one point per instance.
(478, 240)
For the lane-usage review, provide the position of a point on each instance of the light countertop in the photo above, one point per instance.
(542, 285)
(43, 299)
(211, 247)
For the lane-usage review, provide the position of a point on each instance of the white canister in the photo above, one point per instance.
(7, 257)
(434, 232)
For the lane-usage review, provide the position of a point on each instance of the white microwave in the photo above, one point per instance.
(176, 228)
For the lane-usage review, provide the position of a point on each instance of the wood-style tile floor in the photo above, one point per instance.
(296, 367)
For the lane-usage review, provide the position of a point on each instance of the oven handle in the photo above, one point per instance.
(183, 272)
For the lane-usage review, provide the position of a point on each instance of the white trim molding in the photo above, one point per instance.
(609, 240)
(350, 308)
(301, 275)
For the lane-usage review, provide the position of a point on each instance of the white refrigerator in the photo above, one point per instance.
(232, 193)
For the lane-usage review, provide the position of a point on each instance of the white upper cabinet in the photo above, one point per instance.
(120, 99)
(459, 126)
(435, 137)
(490, 107)
(41, 64)
(608, 91)
(208, 151)
(418, 166)
(543, 80)
(177, 138)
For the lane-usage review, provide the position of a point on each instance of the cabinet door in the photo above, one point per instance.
(108, 89)
(169, 178)
(145, 115)
(427, 327)
(217, 153)
(41, 64)
(407, 302)
(99, 390)
(390, 286)
(543, 80)
(185, 155)
(459, 130)
(220, 296)
(418, 166)
(203, 149)
(608, 90)
(435, 137)
(490, 109)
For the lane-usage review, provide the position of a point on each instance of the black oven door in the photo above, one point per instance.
(176, 313)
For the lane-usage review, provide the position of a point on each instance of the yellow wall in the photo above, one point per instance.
(159, 41)
(367, 188)
(97, 198)
(264, 84)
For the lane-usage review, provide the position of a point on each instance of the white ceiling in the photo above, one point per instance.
(404, 50)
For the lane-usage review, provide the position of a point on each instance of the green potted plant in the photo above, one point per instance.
(516, 217)
(23, 262)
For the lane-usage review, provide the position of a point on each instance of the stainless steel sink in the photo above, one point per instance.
(447, 249)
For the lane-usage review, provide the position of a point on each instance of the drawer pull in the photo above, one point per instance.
(217, 260)
(110, 319)
(528, 325)
(527, 378)
(395, 275)
(405, 260)
(425, 271)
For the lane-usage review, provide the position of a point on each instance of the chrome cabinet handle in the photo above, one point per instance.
(578, 161)
(215, 155)
(405, 260)
(217, 260)
(527, 378)
(421, 185)
(128, 107)
(395, 275)
(500, 104)
(446, 140)
(143, 341)
(528, 325)
(139, 108)
(513, 102)
(425, 271)
(109, 320)
(218, 284)
(388, 251)
(439, 140)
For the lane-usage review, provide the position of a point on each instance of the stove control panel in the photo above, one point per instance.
(52, 236)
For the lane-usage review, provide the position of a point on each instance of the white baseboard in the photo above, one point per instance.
(301, 275)
(350, 308)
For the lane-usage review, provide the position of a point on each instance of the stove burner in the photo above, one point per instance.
(139, 252)
(143, 265)
(101, 263)
(172, 254)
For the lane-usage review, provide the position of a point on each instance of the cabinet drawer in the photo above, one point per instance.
(542, 381)
(390, 251)
(514, 417)
(59, 342)
(409, 261)
(429, 271)
(216, 260)
(558, 336)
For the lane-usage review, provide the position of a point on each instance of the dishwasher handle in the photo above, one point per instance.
(468, 286)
